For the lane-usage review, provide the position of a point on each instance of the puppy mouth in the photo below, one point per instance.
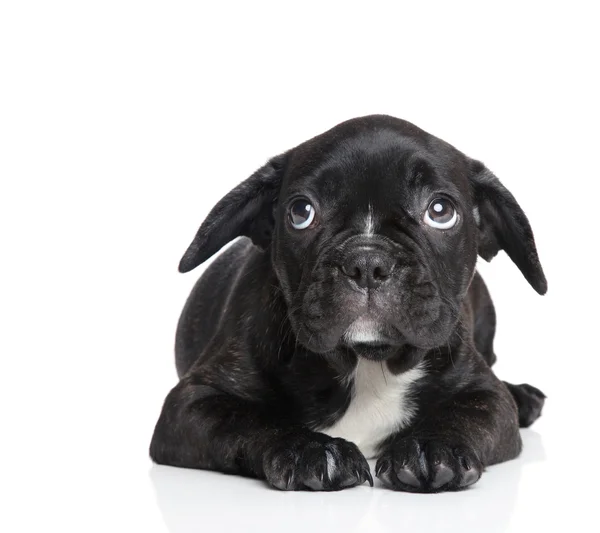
(368, 339)
(374, 351)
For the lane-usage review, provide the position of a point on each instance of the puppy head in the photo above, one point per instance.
(374, 229)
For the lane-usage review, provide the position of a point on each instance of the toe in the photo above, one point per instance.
(469, 477)
(408, 477)
(471, 471)
(442, 475)
(313, 482)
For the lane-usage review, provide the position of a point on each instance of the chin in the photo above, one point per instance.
(371, 340)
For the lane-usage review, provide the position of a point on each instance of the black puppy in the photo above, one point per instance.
(353, 324)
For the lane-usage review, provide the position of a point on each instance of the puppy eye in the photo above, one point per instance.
(302, 213)
(441, 214)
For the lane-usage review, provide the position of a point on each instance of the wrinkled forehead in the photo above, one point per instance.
(371, 163)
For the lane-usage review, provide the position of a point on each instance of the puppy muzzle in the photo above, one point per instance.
(367, 266)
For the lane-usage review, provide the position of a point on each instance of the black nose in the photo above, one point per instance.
(368, 267)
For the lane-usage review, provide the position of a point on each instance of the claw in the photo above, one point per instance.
(369, 476)
(289, 480)
(423, 463)
(381, 466)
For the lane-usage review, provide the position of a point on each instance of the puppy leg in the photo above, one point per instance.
(451, 445)
(530, 402)
(484, 319)
(200, 427)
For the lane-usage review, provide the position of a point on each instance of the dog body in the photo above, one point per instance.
(349, 321)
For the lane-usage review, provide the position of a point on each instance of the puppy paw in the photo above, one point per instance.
(413, 465)
(316, 463)
(530, 402)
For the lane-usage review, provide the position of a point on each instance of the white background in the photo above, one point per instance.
(122, 123)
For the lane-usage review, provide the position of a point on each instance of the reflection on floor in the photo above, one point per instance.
(192, 500)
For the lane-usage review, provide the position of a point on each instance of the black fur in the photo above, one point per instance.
(261, 349)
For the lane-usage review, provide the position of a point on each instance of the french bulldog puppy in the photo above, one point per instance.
(349, 321)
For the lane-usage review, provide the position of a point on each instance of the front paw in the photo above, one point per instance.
(415, 465)
(315, 462)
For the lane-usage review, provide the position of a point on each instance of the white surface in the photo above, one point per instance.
(122, 123)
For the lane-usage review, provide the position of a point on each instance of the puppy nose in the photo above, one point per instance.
(368, 267)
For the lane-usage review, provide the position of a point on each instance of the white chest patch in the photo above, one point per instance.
(380, 405)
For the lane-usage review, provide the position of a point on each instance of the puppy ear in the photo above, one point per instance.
(504, 226)
(246, 210)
